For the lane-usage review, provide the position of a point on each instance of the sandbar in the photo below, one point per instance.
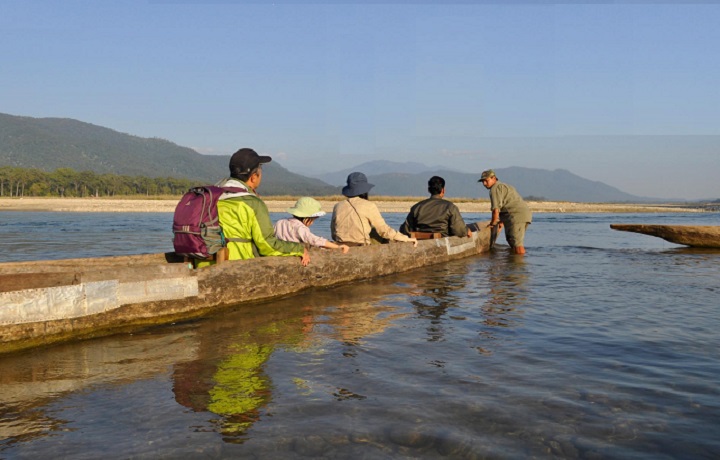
(92, 204)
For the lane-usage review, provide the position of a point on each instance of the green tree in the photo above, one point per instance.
(5, 173)
(64, 181)
(89, 183)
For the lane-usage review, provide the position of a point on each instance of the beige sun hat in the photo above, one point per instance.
(307, 207)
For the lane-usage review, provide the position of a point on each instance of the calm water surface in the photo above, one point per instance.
(597, 344)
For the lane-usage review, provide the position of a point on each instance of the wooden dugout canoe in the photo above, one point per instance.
(698, 236)
(43, 302)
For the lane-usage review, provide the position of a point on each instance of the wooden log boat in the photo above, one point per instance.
(43, 302)
(698, 236)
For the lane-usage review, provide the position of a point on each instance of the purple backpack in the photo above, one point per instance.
(196, 229)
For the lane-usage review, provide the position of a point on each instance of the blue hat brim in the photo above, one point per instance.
(357, 189)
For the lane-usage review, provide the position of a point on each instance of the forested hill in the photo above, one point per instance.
(51, 143)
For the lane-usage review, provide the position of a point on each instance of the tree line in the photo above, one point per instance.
(66, 182)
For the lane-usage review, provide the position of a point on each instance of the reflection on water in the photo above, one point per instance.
(434, 295)
(217, 366)
(31, 380)
(228, 377)
(507, 292)
(588, 347)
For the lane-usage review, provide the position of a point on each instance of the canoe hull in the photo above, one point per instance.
(698, 236)
(50, 301)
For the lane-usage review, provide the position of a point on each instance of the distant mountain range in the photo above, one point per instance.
(376, 168)
(557, 185)
(51, 143)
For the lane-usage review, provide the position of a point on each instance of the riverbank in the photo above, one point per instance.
(141, 205)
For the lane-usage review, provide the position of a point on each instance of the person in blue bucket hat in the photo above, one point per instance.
(356, 221)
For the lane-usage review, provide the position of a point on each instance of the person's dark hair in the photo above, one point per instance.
(236, 173)
(364, 196)
(435, 185)
(306, 220)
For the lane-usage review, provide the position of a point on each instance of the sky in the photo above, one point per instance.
(626, 93)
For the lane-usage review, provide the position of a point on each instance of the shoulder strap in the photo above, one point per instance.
(361, 222)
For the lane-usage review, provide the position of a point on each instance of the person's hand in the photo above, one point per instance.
(413, 241)
(344, 248)
(305, 259)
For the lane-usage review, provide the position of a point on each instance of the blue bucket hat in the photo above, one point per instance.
(357, 184)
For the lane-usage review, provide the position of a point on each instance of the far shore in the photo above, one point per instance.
(384, 204)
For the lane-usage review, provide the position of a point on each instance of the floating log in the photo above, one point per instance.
(49, 301)
(698, 236)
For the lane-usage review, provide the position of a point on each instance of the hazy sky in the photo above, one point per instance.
(330, 84)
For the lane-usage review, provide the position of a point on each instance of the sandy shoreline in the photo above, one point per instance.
(138, 205)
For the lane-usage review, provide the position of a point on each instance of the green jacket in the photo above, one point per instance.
(245, 216)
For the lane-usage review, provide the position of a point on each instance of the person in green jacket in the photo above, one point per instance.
(244, 217)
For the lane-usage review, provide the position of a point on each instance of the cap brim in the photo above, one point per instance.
(264, 159)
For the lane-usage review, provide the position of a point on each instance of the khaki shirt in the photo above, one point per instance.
(505, 198)
(355, 217)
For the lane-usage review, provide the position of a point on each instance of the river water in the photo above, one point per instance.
(596, 344)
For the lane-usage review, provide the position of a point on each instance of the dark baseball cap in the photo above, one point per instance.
(246, 160)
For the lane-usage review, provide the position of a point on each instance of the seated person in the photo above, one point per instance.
(435, 214)
(304, 213)
(244, 217)
(355, 218)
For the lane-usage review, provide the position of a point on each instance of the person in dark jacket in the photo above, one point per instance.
(435, 214)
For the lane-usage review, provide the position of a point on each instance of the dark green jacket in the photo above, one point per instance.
(435, 215)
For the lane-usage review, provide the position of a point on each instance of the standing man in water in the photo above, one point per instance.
(508, 209)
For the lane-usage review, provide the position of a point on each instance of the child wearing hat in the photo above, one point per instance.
(296, 229)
